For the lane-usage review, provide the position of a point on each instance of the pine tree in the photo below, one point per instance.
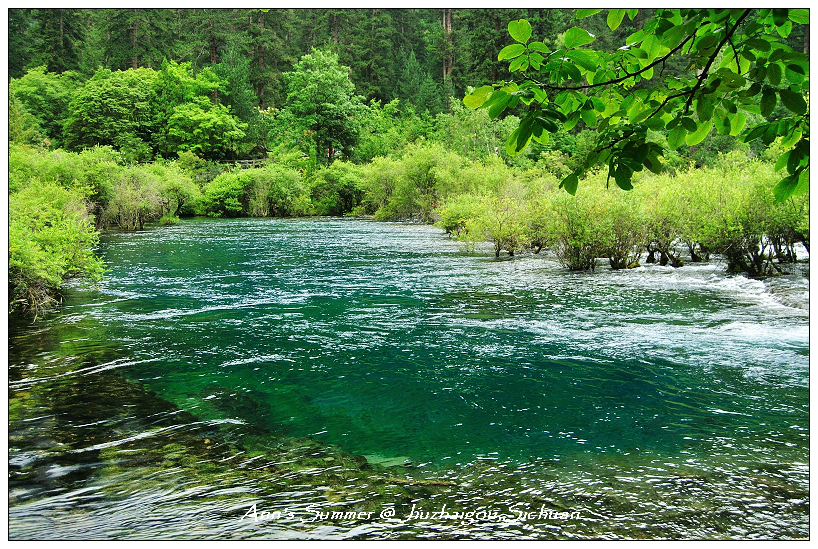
(57, 35)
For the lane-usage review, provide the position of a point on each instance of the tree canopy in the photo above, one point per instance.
(322, 103)
(738, 71)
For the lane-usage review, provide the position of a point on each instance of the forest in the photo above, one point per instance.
(123, 118)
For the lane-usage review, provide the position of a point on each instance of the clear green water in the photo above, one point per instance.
(230, 362)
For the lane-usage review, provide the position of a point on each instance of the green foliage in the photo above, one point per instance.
(472, 134)
(90, 171)
(412, 186)
(456, 212)
(45, 96)
(386, 130)
(572, 229)
(51, 237)
(257, 192)
(149, 193)
(24, 128)
(112, 106)
(322, 104)
(740, 63)
(416, 87)
(205, 129)
(501, 219)
(336, 189)
(234, 71)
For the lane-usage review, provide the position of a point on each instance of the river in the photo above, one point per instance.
(349, 379)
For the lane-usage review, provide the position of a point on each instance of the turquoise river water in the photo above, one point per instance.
(348, 379)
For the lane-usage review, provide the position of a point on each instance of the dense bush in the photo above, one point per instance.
(412, 186)
(257, 192)
(336, 190)
(51, 236)
(149, 193)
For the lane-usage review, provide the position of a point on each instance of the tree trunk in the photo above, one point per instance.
(447, 36)
(215, 93)
(260, 87)
(335, 27)
(62, 32)
(806, 39)
(134, 56)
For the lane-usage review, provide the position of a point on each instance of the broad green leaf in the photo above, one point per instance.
(781, 163)
(794, 73)
(572, 120)
(586, 59)
(570, 183)
(798, 156)
(615, 18)
(722, 123)
(510, 52)
(792, 185)
(539, 46)
(582, 13)
(520, 30)
(570, 72)
(642, 115)
(599, 104)
(689, 124)
(785, 29)
(769, 134)
(737, 123)
(499, 106)
(704, 107)
(518, 64)
(758, 44)
(799, 15)
(547, 124)
(768, 102)
(676, 137)
(589, 117)
(555, 114)
(779, 16)
(774, 74)
(793, 101)
(622, 176)
(707, 42)
(674, 36)
(476, 98)
(791, 139)
(576, 37)
(698, 136)
(653, 164)
(543, 139)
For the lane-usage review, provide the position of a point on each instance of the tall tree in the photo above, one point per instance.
(57, 36)
(234, 70)
(321, 100)
(112, 108)
(21, 49)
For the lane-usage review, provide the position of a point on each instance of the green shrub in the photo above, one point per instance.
(51, 236)
(228, 194)
(336, 189)
(257, 192)
(574, 229)
(501, 219)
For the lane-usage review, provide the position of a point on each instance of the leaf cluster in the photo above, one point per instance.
(738, 63)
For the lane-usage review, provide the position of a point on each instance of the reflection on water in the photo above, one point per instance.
(362, 380)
